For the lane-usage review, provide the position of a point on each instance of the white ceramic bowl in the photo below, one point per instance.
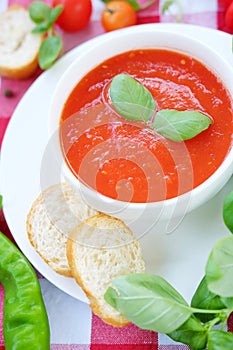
(144, 36)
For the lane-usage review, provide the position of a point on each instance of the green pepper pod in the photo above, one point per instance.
(25, 321)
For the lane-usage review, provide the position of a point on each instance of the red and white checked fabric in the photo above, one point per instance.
(73, 326)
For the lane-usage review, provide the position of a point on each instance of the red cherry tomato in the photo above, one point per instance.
(75, 15)
(229, 16)
(118, 14)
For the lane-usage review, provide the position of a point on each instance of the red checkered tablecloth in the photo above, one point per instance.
(73, 326)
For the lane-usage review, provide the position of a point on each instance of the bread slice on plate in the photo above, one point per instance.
(19, 47)
(53, 215)
(99, 249)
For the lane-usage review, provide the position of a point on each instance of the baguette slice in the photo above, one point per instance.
(53, 215)
(99, 249)
(18, 46)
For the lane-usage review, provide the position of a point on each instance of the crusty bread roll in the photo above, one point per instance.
(18, 46)
(99, 249)
(53, 215)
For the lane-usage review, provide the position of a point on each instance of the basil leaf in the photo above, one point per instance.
(0, 201)
(191, 333)
(134, 3)
(228, 211)
(39, 11)
(55, 13)
(219, 268)
(131, 99)
(149, 302)
(49, 51)
(220, 340)
(180, 125)
(205, 299)
(41, 28)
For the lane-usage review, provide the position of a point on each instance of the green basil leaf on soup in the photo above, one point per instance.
(228, 211)
(149, 302)
(219, 340)
(0, 201)
(49, 51)
(131, 99)
(219, 268)
(180, 125)
(205, 299)
(192, 333)
(39, 11)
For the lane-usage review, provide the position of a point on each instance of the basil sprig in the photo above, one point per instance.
(152, 303)
(44, 17)
(134, 101)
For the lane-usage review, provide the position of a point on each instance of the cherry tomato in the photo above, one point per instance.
(229, 16)
(118, 14)
(75, 15)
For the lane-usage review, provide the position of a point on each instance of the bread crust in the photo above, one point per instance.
(22, 68)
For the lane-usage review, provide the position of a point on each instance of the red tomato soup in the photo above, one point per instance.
(127, 160)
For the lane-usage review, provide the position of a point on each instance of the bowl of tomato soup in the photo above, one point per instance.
(123, 167)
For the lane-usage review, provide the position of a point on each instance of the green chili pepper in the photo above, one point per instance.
(25, 321)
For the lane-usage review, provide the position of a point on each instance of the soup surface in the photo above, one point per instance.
(129, 161)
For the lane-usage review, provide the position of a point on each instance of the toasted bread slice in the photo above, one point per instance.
(99, 249)
(53, 215)
(19, 47)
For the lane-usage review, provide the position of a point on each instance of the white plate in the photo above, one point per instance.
(180, 256)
